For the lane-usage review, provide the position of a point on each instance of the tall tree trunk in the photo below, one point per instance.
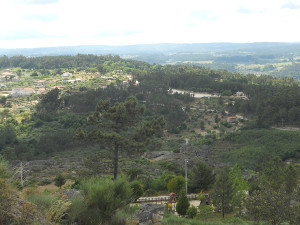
(116, 161)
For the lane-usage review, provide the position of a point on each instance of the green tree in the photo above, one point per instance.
(137, 189)
(269, 205)
(176, 184)
(202, 126)
(271, 200)
(202, 177)
(3, 100)
(120, 127)
(291, 178)
(101, 69)
(222, 194)
(217, 119)
(133, 173)
(182, 204)
(59, 180)
(239, 186)
(19, 73)
(49, 102)
(34, 74)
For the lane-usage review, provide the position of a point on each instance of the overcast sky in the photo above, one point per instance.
(43, 23)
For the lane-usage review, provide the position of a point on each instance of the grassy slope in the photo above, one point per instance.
(251, 146)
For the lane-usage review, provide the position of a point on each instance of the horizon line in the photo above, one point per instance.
(161, 43)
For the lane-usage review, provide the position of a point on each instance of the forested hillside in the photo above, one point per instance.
(144, 120)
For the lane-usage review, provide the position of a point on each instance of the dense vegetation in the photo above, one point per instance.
(121, 122)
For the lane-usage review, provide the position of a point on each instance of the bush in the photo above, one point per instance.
(4, 193)
(205, 211)
(42, 200)
(104, 197)
(59, 180)
(137, 190)
(58, 210)
(191, 212)
(3, 168)
(44, 181)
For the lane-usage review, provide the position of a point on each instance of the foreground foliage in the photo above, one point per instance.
(103, 199)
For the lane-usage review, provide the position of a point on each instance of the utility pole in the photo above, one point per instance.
(21, 172)
(185, 162)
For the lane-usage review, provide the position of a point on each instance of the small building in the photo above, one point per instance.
(18, 92)
(6, 76)
(240, 94)
(231, 119)
(67, 74)
(2, 86)
(240, 117)
(173, 197)
(58, 87)
(40, 84)
(68, 81)
(42, 91)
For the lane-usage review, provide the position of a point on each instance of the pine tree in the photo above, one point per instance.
(182, 204)
(222, 195)
(239, 186)
(121, 128)
(202, 177)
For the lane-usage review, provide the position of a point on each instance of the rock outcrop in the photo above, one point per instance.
(150, 214)
(20, 211)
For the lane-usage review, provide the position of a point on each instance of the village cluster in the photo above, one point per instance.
(15, 86)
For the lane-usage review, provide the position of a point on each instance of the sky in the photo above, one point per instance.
(49, 23)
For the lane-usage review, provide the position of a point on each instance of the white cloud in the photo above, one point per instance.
(33, 23)
(291, 5)
(39, 2)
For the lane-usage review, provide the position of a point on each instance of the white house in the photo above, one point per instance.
(240, 93)
(42, 91)
(40, 84)
(67, 74)
(17, 92)
(2, 86)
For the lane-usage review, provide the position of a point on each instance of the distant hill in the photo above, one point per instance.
(272, 58)
(165, 49)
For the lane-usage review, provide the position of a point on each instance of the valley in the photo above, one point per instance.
(85, 119)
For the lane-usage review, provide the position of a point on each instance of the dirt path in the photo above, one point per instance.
(288, 128)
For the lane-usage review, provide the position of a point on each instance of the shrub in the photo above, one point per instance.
(45, 181)
(104, 197)
(59, 180)
(42, 200)
(137, 190)
(191, 212)
(205, 211)
(58, 210)
(4, 195)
